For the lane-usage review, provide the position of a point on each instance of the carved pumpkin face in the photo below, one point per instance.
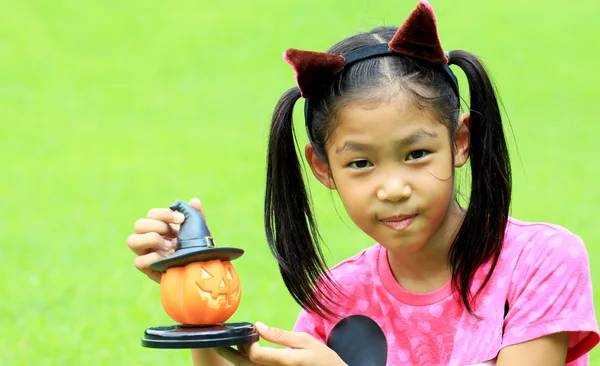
(201, 292)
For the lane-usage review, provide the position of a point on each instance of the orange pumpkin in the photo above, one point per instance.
(201, 293)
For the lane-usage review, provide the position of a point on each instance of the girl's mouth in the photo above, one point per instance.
(398, 222)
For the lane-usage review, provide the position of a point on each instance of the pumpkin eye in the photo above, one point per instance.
(205, 275)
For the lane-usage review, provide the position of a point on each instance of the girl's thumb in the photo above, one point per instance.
(195, 203)
(276, 335)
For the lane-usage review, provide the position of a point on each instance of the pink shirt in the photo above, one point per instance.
(543, 273)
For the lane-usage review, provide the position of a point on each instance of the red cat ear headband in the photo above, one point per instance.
(417, 37)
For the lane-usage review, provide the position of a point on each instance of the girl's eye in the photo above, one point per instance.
(417, 154)
(360, 164)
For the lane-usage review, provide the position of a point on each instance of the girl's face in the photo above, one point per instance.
(392, 165)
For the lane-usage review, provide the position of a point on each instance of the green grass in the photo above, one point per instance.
(110, 108)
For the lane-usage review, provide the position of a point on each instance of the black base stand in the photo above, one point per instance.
(193, 336)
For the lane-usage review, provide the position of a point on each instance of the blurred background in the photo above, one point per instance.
(109, 108)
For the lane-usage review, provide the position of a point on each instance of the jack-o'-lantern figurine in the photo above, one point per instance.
(200, 289)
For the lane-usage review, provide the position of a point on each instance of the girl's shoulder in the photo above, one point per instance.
(541, 248)
(536, 254)
(528, 237)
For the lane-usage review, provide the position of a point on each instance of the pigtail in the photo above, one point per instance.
(482, 232)
(289, 223)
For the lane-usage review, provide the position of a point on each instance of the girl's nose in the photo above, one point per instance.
(394, 190)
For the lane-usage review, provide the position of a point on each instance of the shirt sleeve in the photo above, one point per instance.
(312, 325)
(551, 292)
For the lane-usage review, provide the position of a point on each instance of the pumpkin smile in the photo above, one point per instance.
(215, 301)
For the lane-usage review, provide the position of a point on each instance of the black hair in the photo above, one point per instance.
(291, 229)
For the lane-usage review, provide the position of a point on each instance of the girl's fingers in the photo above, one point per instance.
(302, 349)
(243, 349)
(153, 275)
(145, 243)
(195, 203)
(166, 215)
(277, 356)
(143, 226)
(284, 337)
(233, 356)
(165, 221)
(143, 262)
(156, 236)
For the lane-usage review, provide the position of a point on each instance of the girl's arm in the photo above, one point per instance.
(208, 357)
(550, 350)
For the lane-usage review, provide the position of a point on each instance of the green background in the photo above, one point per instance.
(110, 108)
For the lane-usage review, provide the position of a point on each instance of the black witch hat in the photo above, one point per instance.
(194, 242)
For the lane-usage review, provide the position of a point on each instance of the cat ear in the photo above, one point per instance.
(418, 36)
(313, 69)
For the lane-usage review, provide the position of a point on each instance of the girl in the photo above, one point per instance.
(447, 285)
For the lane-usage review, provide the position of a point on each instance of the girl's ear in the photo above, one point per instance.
(461, 141)
(319, 168)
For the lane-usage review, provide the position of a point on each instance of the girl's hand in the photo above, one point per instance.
(304, 350)
(156, 236)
